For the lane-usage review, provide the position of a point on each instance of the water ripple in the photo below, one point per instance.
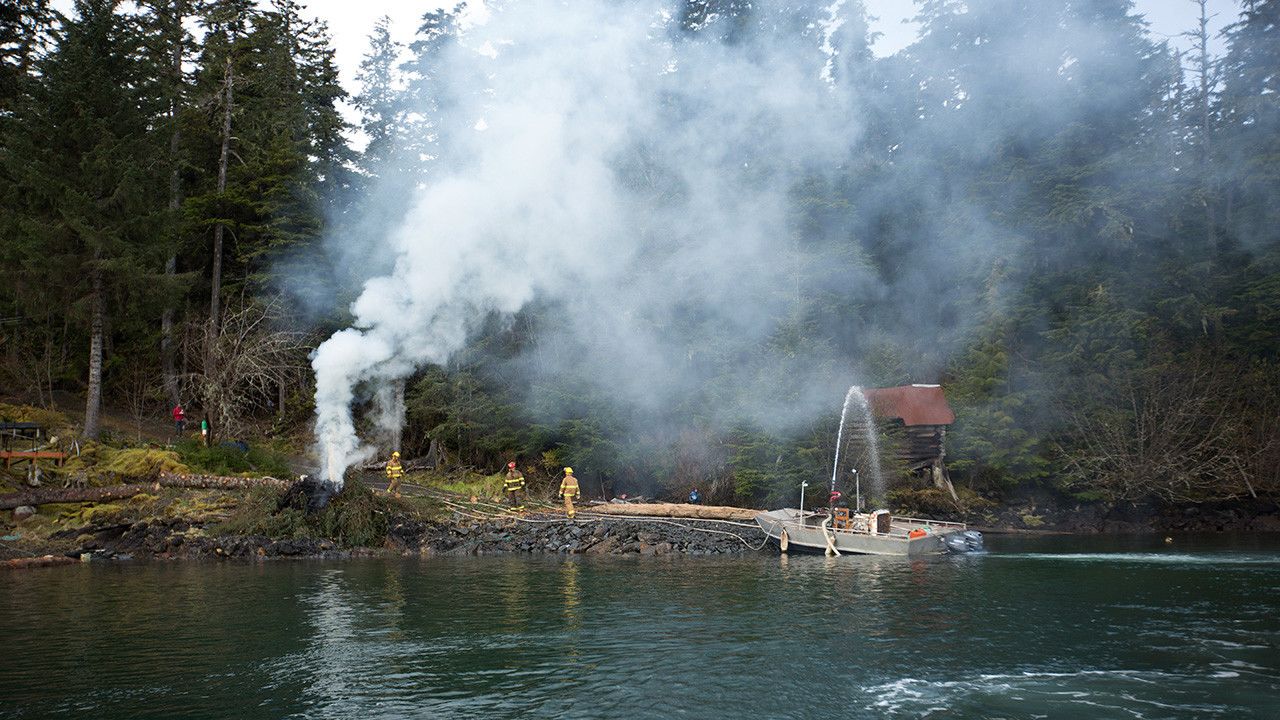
(1013, 634)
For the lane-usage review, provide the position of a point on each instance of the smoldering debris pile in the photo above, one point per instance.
(308, 493)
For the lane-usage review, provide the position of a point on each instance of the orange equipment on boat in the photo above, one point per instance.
(841, 519)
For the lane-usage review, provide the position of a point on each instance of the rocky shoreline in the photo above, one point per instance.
(588, 536)
(1051, 516)
(165, 538)
(172, 539)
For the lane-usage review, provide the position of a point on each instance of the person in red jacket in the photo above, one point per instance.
(179, 419)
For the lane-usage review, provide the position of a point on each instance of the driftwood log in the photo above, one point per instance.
(108, 493)
(34, 562)
(675, 510)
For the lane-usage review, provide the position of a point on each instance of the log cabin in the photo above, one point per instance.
(915, 419)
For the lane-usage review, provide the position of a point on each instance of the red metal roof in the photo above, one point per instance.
(915, 404)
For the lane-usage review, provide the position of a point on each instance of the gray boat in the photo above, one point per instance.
(875, 533)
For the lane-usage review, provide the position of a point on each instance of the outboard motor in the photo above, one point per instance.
(957, 543)
(965, 542)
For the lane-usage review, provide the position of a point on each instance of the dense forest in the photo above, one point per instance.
(1071, 225)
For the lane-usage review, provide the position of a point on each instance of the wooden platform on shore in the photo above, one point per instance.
(12, 456)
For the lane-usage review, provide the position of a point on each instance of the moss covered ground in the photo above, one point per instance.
(936, 503)
(357, 517)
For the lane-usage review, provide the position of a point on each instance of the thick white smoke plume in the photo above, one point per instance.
(596, 158)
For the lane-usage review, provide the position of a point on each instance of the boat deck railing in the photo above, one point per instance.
(899, 528)
(921, 522)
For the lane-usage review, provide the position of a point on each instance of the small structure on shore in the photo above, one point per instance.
(915, 418)
(37, 447)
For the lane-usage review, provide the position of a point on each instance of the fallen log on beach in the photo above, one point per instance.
(218, 482)
(32, 562)
(675, 510)
(109, 493)
(44, 496)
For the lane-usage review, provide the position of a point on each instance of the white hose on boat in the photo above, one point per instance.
(831, 541)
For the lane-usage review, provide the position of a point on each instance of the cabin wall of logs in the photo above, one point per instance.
(913, 422)
(918, 447)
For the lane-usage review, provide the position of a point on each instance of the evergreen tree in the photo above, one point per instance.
(226, 24)
(1251, 109)
(83, 161)
(427, 96)
(1249, 163)
(380, 99)
(168, 46)
(26, 33)
(268, 137)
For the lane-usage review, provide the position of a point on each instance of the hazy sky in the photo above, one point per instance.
(351, 22)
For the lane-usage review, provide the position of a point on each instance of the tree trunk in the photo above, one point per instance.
(941, 481)
(107, 493)
(93, 401)
(433, 454)
(674, 510)
(1205, 71)
(175, 203)
(218, 229)
(167, 368)
(397, 407)
(33, 562)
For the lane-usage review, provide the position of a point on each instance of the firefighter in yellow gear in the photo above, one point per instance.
(569, 490)
(395, 472)
(513, 484)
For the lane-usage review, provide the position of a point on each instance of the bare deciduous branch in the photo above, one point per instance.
(1173, 435)
(238, 369)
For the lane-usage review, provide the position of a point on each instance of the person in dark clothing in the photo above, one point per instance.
(695, 497)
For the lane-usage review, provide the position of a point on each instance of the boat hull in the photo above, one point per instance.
(806, 532)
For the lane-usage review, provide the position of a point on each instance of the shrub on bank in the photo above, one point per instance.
(231, 459)
(259, 512)
(935, 503)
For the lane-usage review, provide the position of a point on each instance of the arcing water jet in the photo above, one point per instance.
(871, 439)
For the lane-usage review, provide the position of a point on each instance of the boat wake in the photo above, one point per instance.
(1150, 558)
(1084, 693)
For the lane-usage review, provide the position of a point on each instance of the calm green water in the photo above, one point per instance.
(1058, 628)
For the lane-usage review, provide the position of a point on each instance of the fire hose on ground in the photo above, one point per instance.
(586, 515)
